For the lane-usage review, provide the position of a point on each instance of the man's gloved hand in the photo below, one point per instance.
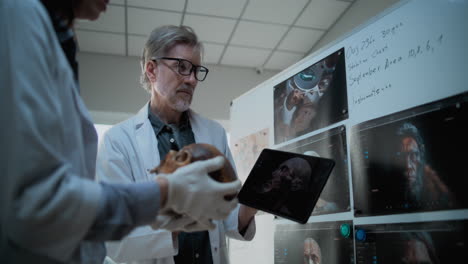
(176, 222)
(193, 193)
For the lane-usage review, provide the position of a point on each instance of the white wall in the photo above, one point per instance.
(110, 87)
(358, 13)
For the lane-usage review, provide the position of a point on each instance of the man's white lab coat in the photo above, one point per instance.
(127, 153)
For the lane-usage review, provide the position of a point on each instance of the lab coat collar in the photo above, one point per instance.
(141, 116)
(146, 141)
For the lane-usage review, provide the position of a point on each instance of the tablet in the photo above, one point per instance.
(286, 184)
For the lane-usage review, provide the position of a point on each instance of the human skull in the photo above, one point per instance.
(195, 152)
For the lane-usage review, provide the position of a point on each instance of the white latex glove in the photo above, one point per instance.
(192, 192)
(176, 222)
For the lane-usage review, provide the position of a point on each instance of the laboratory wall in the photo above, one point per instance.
(111, 89)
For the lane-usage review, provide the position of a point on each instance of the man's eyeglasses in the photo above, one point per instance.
(185, 68)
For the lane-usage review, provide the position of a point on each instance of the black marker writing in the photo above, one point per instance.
(391, 31)
(373, 93)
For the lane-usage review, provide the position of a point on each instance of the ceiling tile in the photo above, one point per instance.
(174, 5)
(212, 53)
(299, 39)
(247, 57)
(225, 8)
(280, 60)
(112, 20)
(118, 2)
(101, 42)
(136, 45)
(258, 34)
(142, 21)
(210, 28)
(322, 13)
(277, 11)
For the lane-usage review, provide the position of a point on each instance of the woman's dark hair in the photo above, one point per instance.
(61, 13)
(61, 10)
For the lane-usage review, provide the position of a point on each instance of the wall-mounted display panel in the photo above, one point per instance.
(412, 160)
(312, 99)
(326, 242)
(418, 243)
(330, 144)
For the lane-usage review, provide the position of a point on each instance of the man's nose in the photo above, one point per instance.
(190, 79)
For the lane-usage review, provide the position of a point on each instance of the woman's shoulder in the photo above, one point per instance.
(28, 26)
(29, 12)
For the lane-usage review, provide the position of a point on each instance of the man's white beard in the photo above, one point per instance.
(182, 106)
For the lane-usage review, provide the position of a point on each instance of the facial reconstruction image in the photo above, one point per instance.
(288, 181)
(413, 160)
(314, 243)
(330, 144)
(313, 98)
(412, 243)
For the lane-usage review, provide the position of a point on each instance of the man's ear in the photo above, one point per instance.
(151, 70)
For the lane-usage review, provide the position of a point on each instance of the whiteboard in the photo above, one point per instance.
(412, 54)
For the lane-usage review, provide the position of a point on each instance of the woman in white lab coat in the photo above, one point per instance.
(51, 210)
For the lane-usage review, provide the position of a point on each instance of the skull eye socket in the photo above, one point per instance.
(182, 156)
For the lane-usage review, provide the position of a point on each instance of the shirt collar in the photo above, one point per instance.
(158, 124)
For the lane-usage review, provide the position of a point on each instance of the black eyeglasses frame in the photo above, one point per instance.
(195, 68)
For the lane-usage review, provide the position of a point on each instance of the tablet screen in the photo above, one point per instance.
(286, 184)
